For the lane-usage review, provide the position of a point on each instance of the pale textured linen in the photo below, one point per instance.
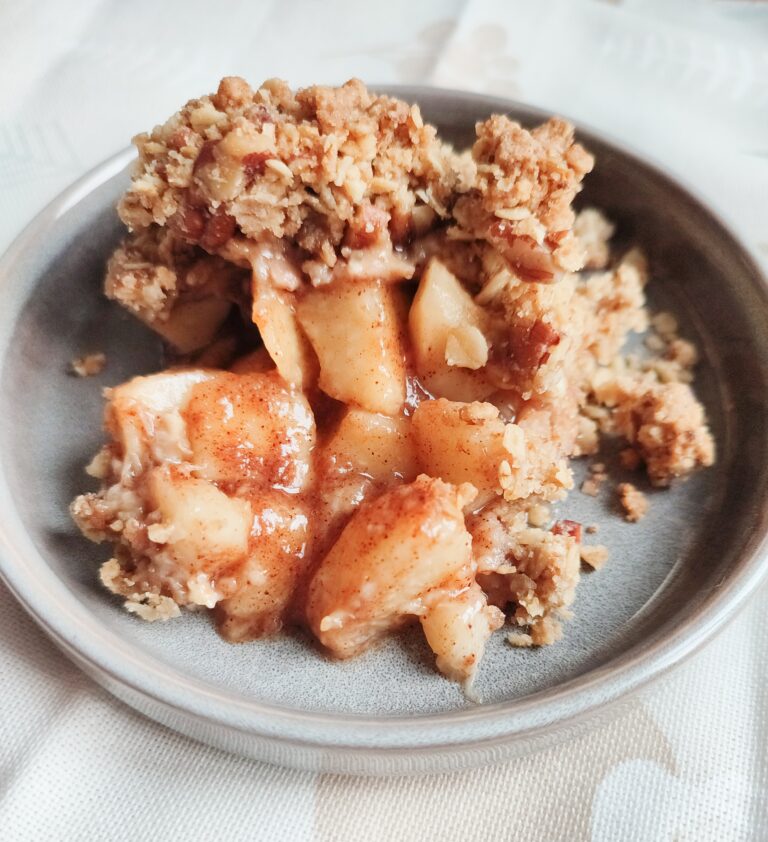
(687, 83)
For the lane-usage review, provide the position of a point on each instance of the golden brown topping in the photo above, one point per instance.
(521, 198)
(322, 166)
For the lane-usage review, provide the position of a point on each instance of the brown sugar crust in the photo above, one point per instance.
(342, 169)
(521, 197)
(327, 167)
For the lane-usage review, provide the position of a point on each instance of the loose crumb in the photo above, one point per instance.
(592, 529)
(595, 556)
(152, 607)
(594, 231)
(519, 639)
(591, 486)
(594, 481)
(634, 502)
(666, 425)
(546, 631)
(88, 365)
(682, 352)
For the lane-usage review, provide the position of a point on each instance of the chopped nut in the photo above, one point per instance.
(572, 528)
(466, 347)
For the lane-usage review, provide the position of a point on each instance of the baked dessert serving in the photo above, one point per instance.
(385, 354)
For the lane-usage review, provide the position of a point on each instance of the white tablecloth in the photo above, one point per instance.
(687, 83)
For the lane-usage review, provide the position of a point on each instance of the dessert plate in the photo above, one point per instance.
(672, 580)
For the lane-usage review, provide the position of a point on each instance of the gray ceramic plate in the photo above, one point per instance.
(672, 580)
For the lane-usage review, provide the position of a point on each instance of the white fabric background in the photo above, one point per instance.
(685, 82)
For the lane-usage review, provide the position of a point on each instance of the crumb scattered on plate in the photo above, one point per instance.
(88, 365)
(595, 555)
(633, 501)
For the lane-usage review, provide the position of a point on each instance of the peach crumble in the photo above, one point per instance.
(434, 336)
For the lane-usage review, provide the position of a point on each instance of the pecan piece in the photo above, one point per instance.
(531, 347)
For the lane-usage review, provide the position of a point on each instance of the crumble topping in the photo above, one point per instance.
(665, 424)
(348, 176)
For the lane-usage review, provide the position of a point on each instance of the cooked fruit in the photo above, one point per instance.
(356, 330)
(391, 555)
